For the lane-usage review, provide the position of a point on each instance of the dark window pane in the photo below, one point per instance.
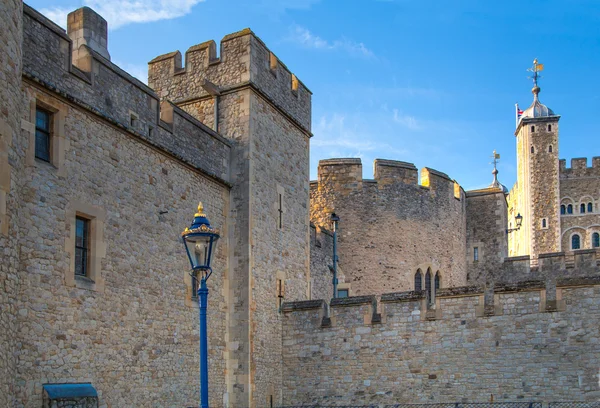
(418, 280)
(343, 293)
(582, 208)
(42, 135)
(590, 207)
(42, 145)
(428, 286)
(569, 209)
(596, 240)
(437, 281)
(563, 209)
(81, 246)
(575, 242)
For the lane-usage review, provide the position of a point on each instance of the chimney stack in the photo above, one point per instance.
(86, 27)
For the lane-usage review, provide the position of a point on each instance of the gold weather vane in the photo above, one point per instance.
(537, 67)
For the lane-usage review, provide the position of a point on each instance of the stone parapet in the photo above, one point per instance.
(109, 92)
(579, 168)
(243, 60)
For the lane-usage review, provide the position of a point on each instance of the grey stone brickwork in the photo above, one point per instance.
(391, 226)
(265, 112)
(520, 351)
(486, 233)
(11, 172)
(321, 256)
(580, 184)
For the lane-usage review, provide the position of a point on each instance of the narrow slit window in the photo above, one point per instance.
(532, 129)
(280, 291)
(549, 128)
(532, 149)
(476, 254)
(82, 245)
(280, 212)
(544, 223)
(437, 282)
(582, 209)
(590, 207)
(550, 149)
(570, 209)
(596, 240)
(42, 134)
(563, 209)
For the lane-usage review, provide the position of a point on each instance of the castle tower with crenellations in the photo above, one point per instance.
(250, 97)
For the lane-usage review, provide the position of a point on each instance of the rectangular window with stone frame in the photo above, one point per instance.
(43, 119)
(82, 246)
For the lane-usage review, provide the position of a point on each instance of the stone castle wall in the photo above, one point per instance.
(486, 233)
(580, 184)
(391, 226)
(11, 172)
(264, 110)
(321, 257)
(466, 352)
(131, 329)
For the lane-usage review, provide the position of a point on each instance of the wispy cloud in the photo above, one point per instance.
(333, 133)
(136, 70)
(122, 12)
(407, 121)
(303, 36)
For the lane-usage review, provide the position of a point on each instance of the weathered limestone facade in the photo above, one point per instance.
(520, 351)
(11, 169)
(233, 132)
(265, 111)
(392, 226)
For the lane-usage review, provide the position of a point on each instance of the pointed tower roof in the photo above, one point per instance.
(536, 110)
(496, 183)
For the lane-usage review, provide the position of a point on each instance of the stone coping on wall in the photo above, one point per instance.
(303, 305)
(353, 301)
(523, 286)
(394, 163)
(483, 192)
(403, 296)
(517, 258)
(460, 291)
(578, 281)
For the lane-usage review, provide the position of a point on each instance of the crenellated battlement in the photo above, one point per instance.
(579, 168)
(410, 225)
(94, 83)
(243, 60)
(346, 174)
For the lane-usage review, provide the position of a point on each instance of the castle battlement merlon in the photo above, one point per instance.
(347, 172)
(579, 167)
(244, 60)
(93, 83)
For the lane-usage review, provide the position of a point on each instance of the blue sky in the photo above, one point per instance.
(429, 82)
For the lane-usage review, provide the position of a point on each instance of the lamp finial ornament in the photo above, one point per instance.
(200, 212)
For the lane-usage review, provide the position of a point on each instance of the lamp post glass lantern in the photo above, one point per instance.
(200, 240)
(518, 223)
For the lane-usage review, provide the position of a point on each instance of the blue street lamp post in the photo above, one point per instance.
(200, 240)
(335, 220)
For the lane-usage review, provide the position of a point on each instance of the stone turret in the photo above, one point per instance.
(536, 195)
(86, 27)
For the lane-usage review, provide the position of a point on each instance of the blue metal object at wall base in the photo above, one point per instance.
(62, 391)
(202, 305)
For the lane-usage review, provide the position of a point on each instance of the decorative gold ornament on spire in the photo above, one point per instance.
(200, 212)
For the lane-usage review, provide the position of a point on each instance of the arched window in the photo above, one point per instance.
(582, 209)
(570, 209)
(428, 286)
(437, 281)
(595, 240)
(575, 241)
(550, 149)
(544, 223)
(532, 149)
(550, 130)
(532, 129)
(563, 209)
(590, 207)
(419, 280)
